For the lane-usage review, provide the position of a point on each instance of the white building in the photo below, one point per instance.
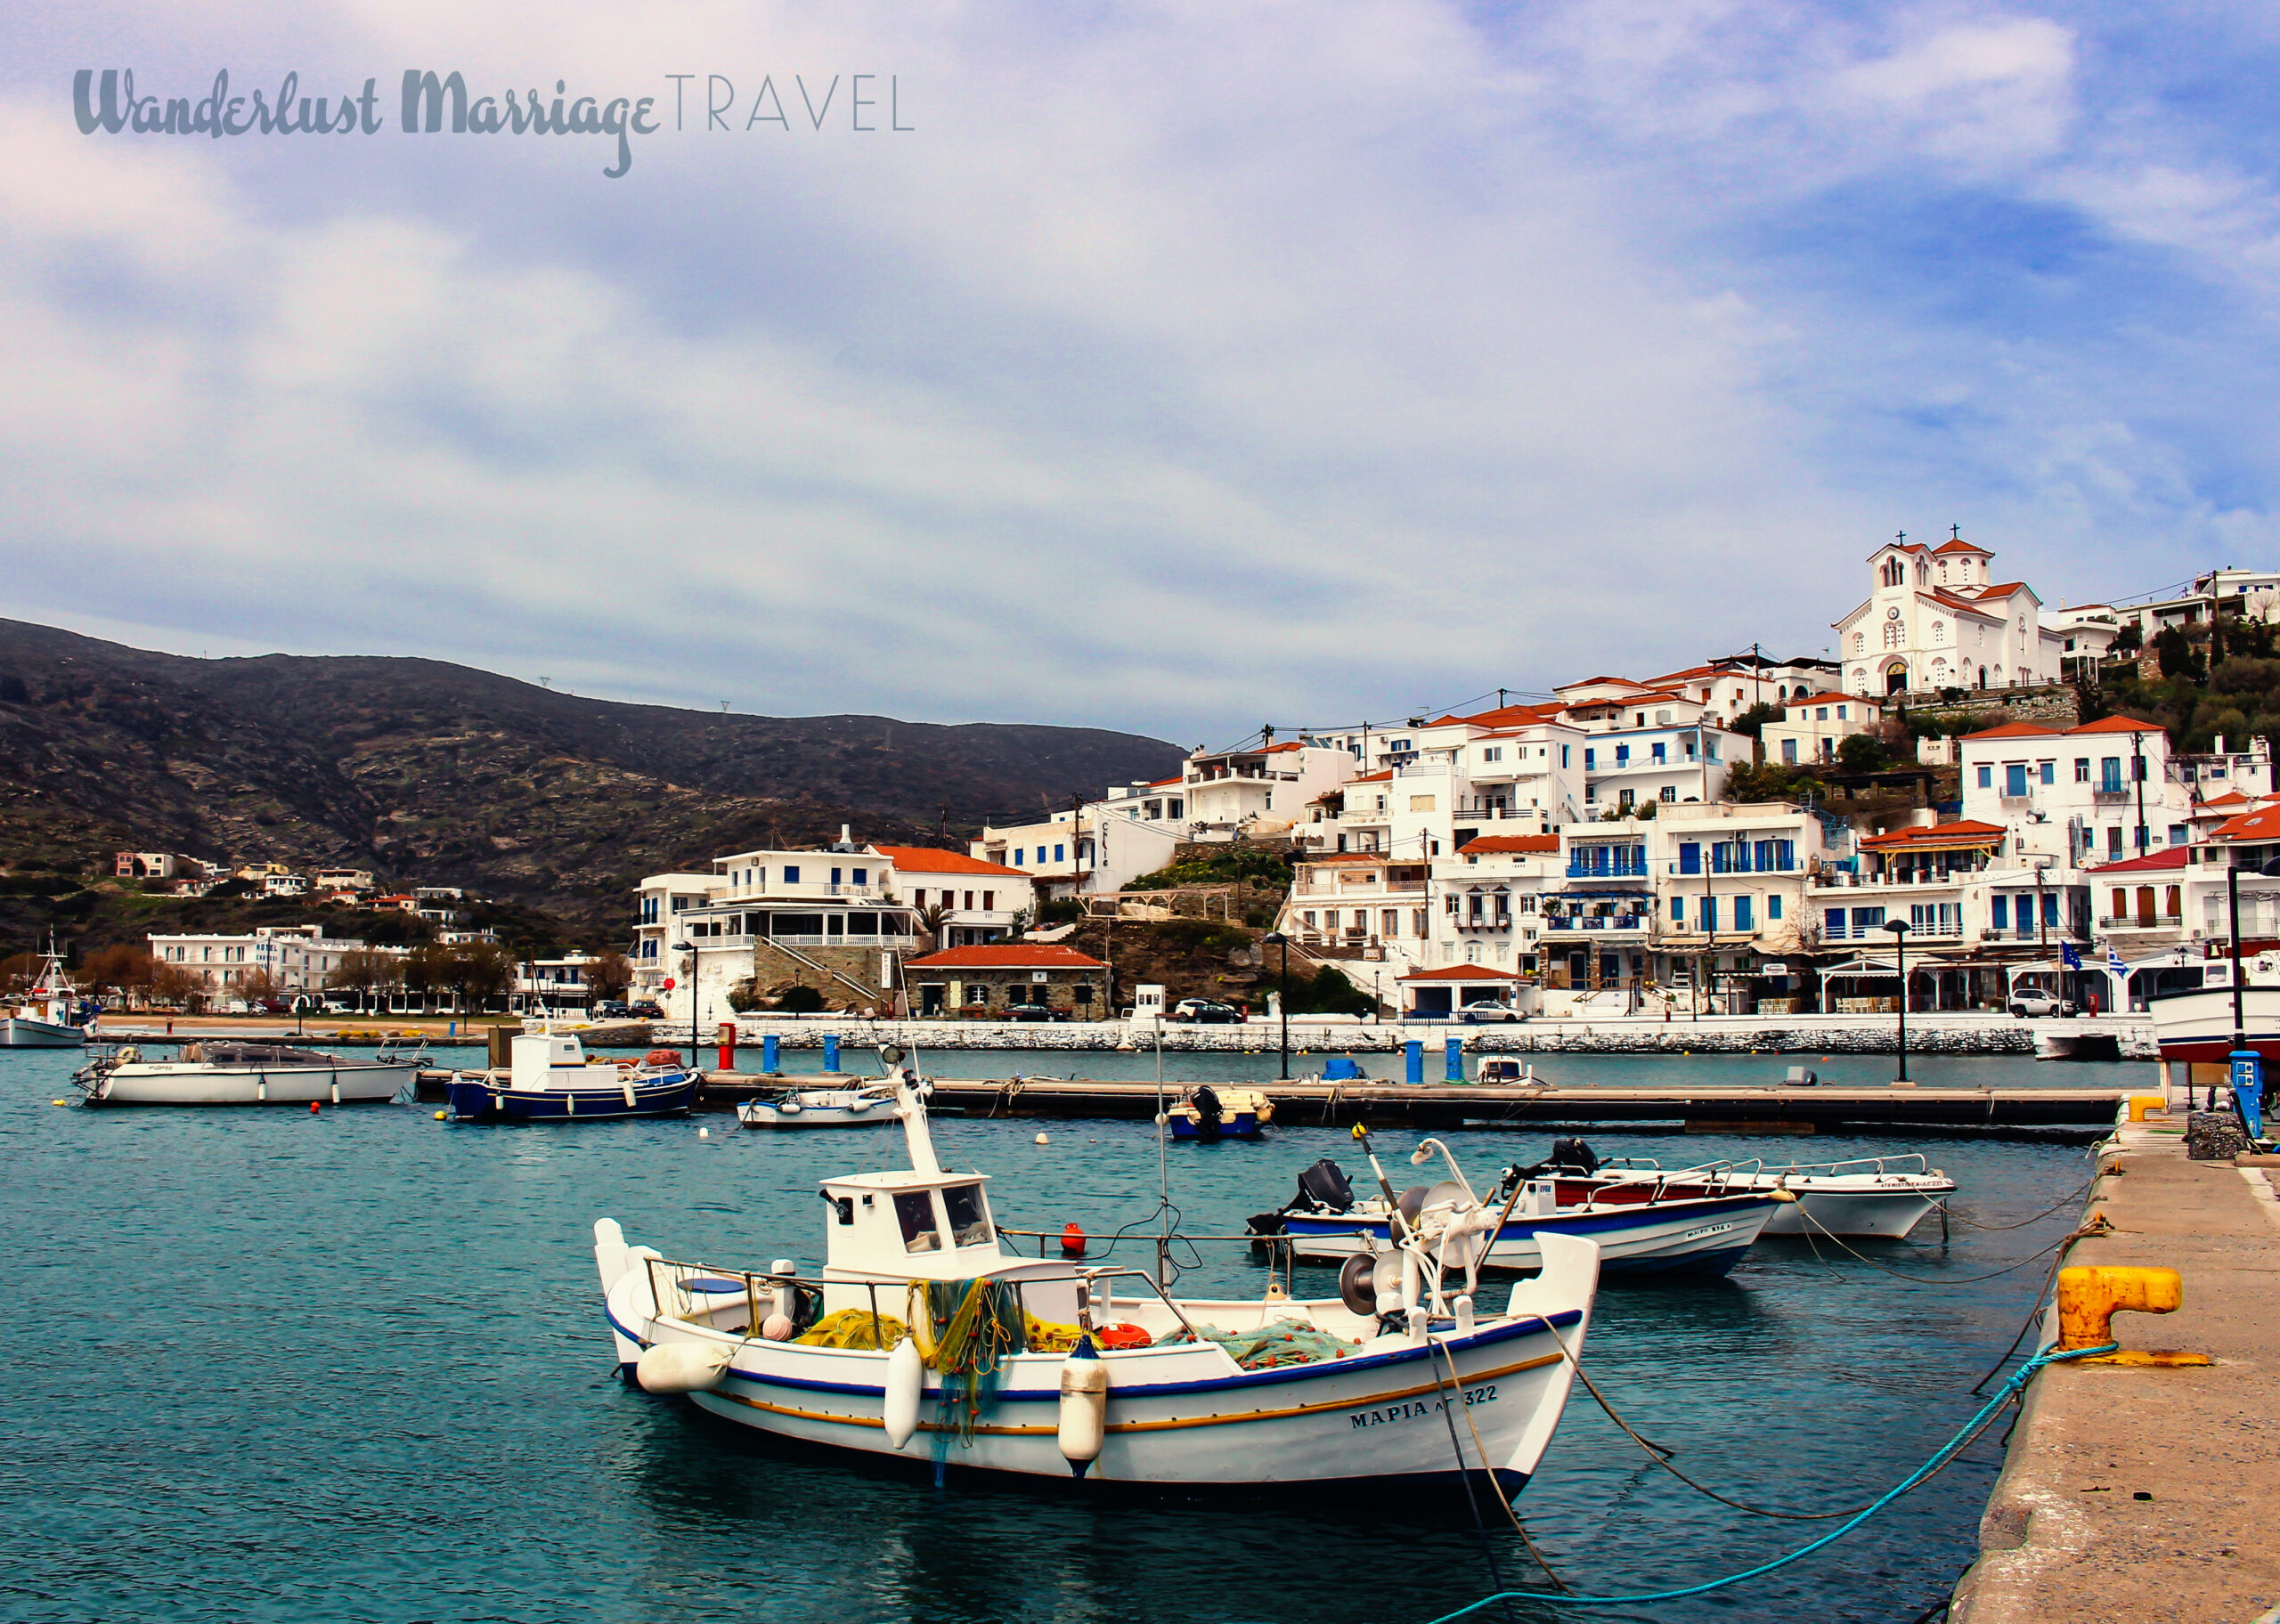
(981, 900)
(1260, 790)
(1813, 726)
(1936, 617)
(1102, 846)
(298, 958)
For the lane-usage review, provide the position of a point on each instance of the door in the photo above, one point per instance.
(930, 999)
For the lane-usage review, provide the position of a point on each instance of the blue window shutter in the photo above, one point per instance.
(1690, 858)
(1743, 914)
(1774, 906)
(1986, 777)
(1999, 911)
(1709, 912)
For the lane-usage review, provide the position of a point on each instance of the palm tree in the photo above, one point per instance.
(931, 918)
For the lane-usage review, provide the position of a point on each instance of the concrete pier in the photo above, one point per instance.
(2132, 1495)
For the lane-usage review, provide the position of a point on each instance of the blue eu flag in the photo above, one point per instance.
(2068, 956)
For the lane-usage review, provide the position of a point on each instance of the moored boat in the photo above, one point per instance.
(550, 1079)
(50, 1015)
(1702, 1225)
(225, 1071)
(1212, 1113)
(921, 1338)
(859, 1105)
(1879, 1198)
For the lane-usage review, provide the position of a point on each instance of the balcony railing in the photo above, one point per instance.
(1629, 868)
(1617, 921)
(2143, 921)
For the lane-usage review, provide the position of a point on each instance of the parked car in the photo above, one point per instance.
(613, 1008)
(1489, 1008)
(1031, 1011)
(2029, 1002)
(645, 1011)
(1207, 1012)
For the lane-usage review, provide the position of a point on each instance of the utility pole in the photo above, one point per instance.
(2137, 767)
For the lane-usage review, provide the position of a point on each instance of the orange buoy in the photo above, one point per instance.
(312, 1107)
(1072, 1241)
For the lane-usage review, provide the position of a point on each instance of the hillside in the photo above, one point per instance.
(420, 768)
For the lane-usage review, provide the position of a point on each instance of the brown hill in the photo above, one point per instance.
(420, 768)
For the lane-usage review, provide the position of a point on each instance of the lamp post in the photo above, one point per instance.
(690, 949)
(1899, 929)
(1276, 939)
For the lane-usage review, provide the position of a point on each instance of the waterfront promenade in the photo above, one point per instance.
(2135, 1495)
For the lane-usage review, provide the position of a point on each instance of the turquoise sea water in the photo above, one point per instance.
(271, 1366)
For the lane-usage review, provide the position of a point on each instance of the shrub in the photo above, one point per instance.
(1060, 911)
(801, 1000)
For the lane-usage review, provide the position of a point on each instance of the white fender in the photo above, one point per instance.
(682, 1366)
(628, 1087)
(1084, 1406)
(906, 1383)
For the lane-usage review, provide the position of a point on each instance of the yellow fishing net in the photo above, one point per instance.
(855, 1327)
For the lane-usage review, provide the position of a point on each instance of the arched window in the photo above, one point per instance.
(1894, 634)
(1859, 641)
(1939, 632)
(1895, 571)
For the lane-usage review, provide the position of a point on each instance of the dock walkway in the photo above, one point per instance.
(2133, 1495)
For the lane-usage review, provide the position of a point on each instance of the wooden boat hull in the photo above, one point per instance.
(191, 1082)
(22, 1032)
(479, 1099)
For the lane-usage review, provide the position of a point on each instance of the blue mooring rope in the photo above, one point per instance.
(2003, 1395)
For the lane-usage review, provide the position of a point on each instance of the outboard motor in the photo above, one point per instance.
(1206, 1101)
(1573, 1153)
(1323, 1188)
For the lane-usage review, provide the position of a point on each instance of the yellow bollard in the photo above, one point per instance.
(2089, 1297)
(2142, 1105)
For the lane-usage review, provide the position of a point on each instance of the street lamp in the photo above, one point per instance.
(1276, 939)
(690, 949)
(1899, 929)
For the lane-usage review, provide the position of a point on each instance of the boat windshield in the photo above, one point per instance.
(913, 1209)
(969, 1219)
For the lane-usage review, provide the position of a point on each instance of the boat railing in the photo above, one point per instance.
(1912, 1162)
(1716, 1177)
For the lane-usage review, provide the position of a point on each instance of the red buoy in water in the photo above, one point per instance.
(1072, 1241)
(312, 1107)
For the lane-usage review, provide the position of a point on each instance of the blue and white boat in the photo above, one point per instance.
(1640, 1225)
(1209, 1113)
(922, 1339)
(51, 1015)
(550, 1079)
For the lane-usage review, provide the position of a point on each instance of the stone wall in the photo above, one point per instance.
(2056, 706)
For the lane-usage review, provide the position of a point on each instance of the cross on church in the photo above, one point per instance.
(1956, 531)
(1904, 538)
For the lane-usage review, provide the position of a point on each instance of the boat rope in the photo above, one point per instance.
(1464, 1480)
(1659, 1455)
(2096, 1226)
(2071, 1197)
(1481, 1448)
(1957, 1442)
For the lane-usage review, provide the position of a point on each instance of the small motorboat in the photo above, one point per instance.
(1508, 1072)
(51, 1015)
(861, 1104)
(1879, 1198)
(550, 1079)
(227, 1071)
(923, 1339)
(1209, 1113)
(1699, 1223)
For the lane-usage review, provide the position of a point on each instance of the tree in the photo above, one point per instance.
(2129, 639)
(1751, 721)
(124, 970)
(1862, 752)
(2177, 655)
(930, 921)
(608, 974)
(172, 985)
(258, 986)
(1330, 993)
(479, 972)
(367, 973)
(1770, 781)
(427, 971)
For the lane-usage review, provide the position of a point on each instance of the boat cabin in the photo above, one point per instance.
(934, 1226)
(533, 1059)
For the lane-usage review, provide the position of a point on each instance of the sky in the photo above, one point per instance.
(1169, 367)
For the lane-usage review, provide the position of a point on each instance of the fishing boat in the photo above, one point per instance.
(1211, 1113)
(51, 1015)
(230, 1072)
(923, 1339)
(859, 1105)
(1640, 1224)
(549, 1078)
(2198, 1025)
(1878, 1198)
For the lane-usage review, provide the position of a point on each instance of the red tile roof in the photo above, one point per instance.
(1827, 695)
(1490, 845)
(1007, 955)
(1507, 716)
(2229, 798)
(1158, 784)
(1962, 832)
(1380, 777)
(927, 860)
(2007, 589)
(1960, 546)
(1276, 750)
(2262, 825)
(1462, 972)
(2014, 730)
(2117, 724)
(2174, 858)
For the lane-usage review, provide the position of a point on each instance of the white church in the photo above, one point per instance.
(1938, 619)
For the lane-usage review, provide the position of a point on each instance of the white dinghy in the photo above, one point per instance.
(1876, 1197)
(861, 1104)
(923, 1337)
(230, 1072)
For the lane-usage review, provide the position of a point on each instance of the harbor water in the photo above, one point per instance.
(281, 1366)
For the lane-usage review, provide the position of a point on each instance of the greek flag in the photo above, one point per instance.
(2113, 964)
(2068, 957)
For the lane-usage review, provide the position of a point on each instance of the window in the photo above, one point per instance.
(1892, 634)
(977, 994)
(790, 874)
(1709, 912)
(1417, 922)
(2113, 841)
(1865, 920)
(1986, 777)
(1668, 795)
(1309, 919)
(1789, 752)
(2049, 771)
(2081, 769)
(2110, 775)
(914, 1210)
(1841, 711)
(862, 876)
(1020, 853)
(1833, 924)
(989, 901)
(2049, 909)
(1623, 755)
(2178, 835)
(1420, 803)
(1744, 914)
(1060, 852)
(1493, 752)
(1690, 858)
(834, 876)
(1820, 713)
(1774, 906)
(1661, 752)
(1999, 912)
(969, 1219)
(1678, 910)
(1590, 758)
(1563, 755)
(2015, 778)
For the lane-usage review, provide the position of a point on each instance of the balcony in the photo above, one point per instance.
(1613, 921)
(1632, 867)
(2108, 795)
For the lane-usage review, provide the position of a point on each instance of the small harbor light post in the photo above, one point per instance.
(689, 949)
(1276, 939)
(1899, 929)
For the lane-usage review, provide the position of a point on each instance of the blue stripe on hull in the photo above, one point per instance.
(481, 1102)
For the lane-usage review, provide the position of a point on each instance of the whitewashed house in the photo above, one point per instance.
(1936, 617)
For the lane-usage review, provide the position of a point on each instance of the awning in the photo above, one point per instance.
(1862, 967)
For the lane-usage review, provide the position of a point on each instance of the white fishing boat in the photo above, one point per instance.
(1641, 1225)
(1878, 1198)
(859, 1105)
(921, 1338)
(549, 1077)
(51, 1015)
(232, 1072)
(2198, 1026)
